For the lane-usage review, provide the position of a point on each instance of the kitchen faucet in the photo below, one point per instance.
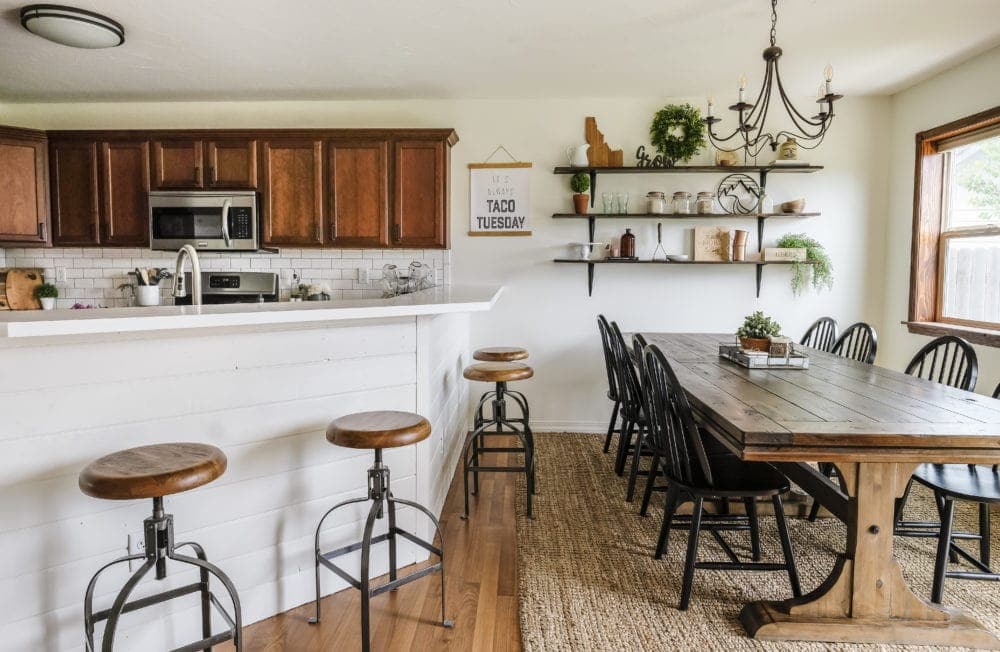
(190, 252)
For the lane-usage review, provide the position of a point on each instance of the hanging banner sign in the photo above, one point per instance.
(500, 199)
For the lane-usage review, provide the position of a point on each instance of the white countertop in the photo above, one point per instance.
(41, 323)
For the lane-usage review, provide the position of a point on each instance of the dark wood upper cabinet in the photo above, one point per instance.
(178, 164)
(76, 213)
(357, 192)
(125, 193)
(24, 206)
(292, 197)
(420, 194)
(231, 164)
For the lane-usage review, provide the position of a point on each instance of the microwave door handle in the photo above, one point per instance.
(225, 221)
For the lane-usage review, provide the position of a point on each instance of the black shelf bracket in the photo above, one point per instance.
(590, 279)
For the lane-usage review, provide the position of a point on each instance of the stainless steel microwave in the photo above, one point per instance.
(205, 219)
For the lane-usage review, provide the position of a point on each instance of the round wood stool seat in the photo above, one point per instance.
(500, 354)
(382, 429)
(498, 372)
(152, 471)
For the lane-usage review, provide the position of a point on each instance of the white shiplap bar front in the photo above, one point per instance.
(263, 390)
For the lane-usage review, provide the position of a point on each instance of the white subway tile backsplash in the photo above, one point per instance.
(93, 274)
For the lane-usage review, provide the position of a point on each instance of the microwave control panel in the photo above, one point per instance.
(239, 223)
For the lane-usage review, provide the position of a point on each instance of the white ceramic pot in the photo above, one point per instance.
(48, 303)
(577, 156)
(147, 295)
(590, 250)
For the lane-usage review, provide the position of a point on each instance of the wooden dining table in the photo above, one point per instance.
(876, 426)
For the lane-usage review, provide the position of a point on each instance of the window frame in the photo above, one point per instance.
(929, 237)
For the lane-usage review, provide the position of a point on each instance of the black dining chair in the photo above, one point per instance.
(948, 360)
(694, 476)
(822, 334)
(630, 394)
(858, 342)
(996, 392)
(605, 330)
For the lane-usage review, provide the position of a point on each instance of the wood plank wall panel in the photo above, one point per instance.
(264, 397)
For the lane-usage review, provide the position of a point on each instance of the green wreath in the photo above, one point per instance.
(674, 146)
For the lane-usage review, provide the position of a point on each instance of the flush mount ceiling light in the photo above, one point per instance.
(76, 28)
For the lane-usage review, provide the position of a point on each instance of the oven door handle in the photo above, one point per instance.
(226, 205)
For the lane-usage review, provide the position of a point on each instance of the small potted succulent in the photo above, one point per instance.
(756, 332)
(46, 294)
(580, 183)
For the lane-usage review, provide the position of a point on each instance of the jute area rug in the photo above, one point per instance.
(588, 580)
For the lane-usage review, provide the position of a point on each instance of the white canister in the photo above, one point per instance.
(147, 295)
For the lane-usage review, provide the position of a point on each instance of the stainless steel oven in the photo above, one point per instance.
(207, 220)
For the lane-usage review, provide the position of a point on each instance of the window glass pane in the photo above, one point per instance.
(973, 185)
(971, 281)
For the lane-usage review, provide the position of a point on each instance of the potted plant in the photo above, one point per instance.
(580, 183)
(46, 293)
(756, 332)
(818, 268)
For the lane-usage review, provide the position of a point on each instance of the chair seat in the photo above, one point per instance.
(733, 477)
(500, 354)
(152, 471)
(498, 372)
(382, 429)
(978, 483)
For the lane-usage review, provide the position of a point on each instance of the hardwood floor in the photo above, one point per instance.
(480, 582)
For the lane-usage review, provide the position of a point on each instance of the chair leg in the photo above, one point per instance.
(897, 514)
(633, 473)
(692, 555)
(654, 467)
(624, 441)
(984, 533)
(751, 508)
(826, 469)
(786, 546)
(611, 426)
(669, 507)
(944, 546)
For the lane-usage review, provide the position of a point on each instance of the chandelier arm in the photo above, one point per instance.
(759, 107)
(792, 111)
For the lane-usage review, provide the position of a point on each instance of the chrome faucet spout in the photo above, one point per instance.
(179, 290)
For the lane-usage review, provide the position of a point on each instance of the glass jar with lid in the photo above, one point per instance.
(705, 203)
(655, 203)
(682, 203)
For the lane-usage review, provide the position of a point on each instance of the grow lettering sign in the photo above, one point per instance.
(500, 198)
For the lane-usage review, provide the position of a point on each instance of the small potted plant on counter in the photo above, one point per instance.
(46, 293)
(580, 183)
(756, 332)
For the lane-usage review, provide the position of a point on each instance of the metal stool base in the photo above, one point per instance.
(499, 424)
(160, 546)
(382, 502)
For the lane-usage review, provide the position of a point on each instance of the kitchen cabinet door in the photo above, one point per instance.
(177, 164)
(125, 193)
(231, 164)
(357, 193)
(76, 213)
(292, 198)
(24, 207)
(420, 202)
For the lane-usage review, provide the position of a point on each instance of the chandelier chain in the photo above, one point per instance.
(774, 21)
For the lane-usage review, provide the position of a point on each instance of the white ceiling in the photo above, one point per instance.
(362, 49)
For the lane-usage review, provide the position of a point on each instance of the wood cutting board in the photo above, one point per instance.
(19, 288)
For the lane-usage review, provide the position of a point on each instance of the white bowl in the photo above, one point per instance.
(678, 258)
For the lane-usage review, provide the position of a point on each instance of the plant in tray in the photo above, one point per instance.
(818, 263)
(756, 331)
(580, 184)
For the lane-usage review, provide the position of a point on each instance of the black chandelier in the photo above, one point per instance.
(749, 135)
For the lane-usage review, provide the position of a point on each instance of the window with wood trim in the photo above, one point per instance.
(955, 272)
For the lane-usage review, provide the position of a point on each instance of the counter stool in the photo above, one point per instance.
(154, 472)
(378, 430)
(500, 373)
(501, 354)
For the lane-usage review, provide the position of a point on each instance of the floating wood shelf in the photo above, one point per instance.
(679, 216)
(689, 169)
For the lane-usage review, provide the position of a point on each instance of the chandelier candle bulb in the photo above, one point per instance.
(710, 98)
(828, 76)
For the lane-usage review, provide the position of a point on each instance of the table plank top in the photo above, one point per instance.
(838, 409)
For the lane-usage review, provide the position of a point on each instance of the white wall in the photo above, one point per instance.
(545, 306)
(959, 92)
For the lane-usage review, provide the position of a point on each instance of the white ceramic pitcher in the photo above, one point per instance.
(577, 156)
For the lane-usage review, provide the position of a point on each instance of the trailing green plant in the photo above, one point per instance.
(677, 132)
(580, 182)
(759, 326)
(46, 291)
(818, 268)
